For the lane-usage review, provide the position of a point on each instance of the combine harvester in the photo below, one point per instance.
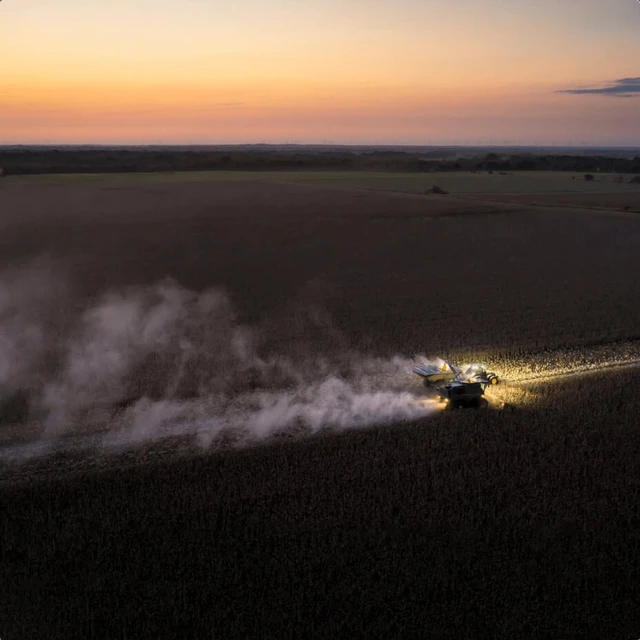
(462, 388)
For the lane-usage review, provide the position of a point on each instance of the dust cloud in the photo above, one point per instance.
(146, 363)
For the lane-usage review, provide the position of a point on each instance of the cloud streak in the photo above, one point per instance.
(622, 88)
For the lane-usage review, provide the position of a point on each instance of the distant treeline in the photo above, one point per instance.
(42, 161)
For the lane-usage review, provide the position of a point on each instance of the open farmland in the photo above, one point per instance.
(476, 183)
(465, 524)
(405, 273)
(607, 191)
(457, 182)
(627, 200)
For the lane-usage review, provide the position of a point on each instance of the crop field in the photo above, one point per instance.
(612, 192)
(209, 425)
(397, 271)
(620, 200)
(534, 182)
(492, 524)
(461, 182)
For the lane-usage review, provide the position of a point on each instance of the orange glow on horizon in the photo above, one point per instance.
(273, 70)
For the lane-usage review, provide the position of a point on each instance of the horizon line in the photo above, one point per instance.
(323, 144)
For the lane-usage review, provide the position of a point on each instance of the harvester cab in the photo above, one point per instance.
(478, 373)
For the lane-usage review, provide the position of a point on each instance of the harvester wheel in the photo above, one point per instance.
(494, 379)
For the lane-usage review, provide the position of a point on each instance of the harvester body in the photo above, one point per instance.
(463, 395)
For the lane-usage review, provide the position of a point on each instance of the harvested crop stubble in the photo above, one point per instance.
(560, 362)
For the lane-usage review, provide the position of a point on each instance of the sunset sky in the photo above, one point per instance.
(340, 71)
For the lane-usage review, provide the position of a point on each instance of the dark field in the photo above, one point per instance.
(465, 524)
(395, 272)
(608, 201)
(482, 525)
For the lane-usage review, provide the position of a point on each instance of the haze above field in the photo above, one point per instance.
(382, 72)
